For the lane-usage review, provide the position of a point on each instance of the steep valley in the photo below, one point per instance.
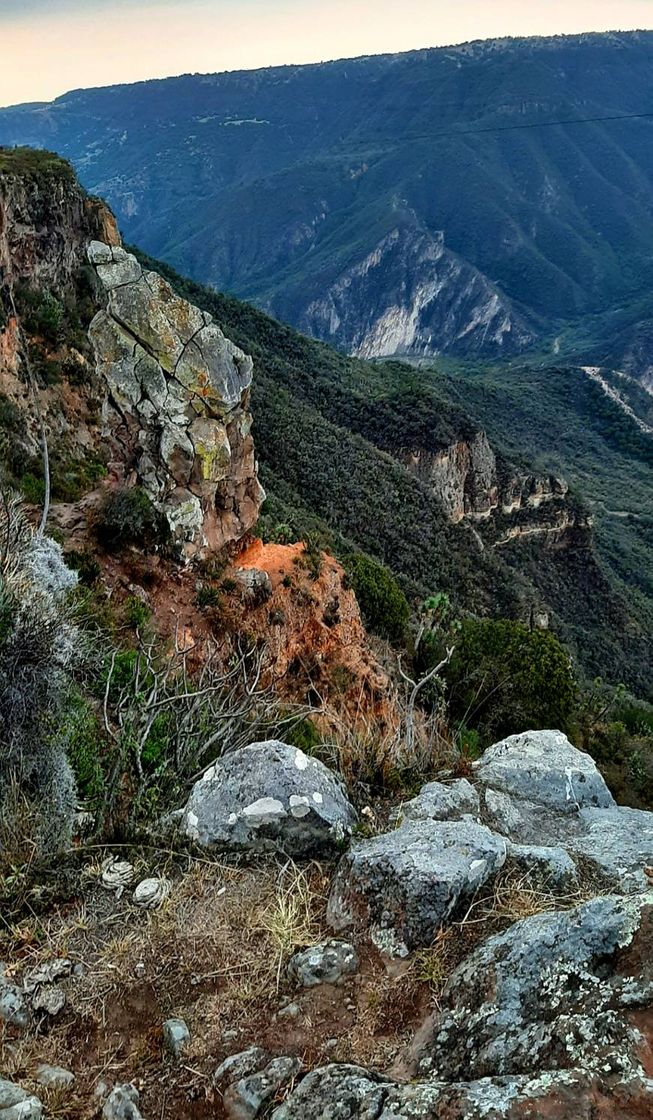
(474, 200)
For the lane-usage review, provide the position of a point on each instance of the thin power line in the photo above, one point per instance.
(515, 127)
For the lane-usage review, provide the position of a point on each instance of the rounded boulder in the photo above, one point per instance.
(265, 797)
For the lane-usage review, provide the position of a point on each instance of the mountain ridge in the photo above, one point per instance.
(279, 184)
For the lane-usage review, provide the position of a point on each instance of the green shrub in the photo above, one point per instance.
(86, 566)
(42, 313)
(504, 679)
(32, 489)
(128, 517)
(208, 597)
(383, 604)
(84, 746)
(137, 613)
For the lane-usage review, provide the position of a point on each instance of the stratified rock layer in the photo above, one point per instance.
(178, 403)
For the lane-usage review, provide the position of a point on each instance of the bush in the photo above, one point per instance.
(42, 314)
(128, 517)
(137, 613)
(505, 678)
(383, 604)
(84, 745)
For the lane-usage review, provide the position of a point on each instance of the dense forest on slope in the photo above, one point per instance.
(326, 427)
(344, 197)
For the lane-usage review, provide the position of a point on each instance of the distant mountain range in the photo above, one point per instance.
(406, 204)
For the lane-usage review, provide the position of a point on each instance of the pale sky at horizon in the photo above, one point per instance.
(52, 46)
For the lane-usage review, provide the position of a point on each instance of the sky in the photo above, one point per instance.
(52, 46)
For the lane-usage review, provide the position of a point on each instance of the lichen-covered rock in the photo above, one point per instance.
(14, 1008)
(323, 964)
(17, 1104)
(268, 796)
(543, 767)
(341, 1092)
(439, 802)
(238, 1066)
(404, 885)
(619, 842)
(549, 993)
(178, 403)
(245, 1099)
(551, 867)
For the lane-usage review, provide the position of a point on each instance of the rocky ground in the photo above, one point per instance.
(486, 954)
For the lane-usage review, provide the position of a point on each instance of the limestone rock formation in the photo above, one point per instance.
(409, 290)
(177, 403)
(471, 483)
(268, 796)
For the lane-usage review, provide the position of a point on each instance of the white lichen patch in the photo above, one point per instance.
(267, 810)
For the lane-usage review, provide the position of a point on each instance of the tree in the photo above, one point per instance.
(505, 678)
(383, 604)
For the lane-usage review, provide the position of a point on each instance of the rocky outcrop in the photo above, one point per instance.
(404, 885)
(268, 796)
(46, 223)
(177, 404)
(538, 998)
(550, 1017)
(412, 296)
(470, 483)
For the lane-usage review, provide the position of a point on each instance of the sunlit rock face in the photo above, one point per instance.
(178, 403)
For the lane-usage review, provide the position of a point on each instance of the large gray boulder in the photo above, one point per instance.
(543, 767)
(268, 796)
(404, 885)
(549, 993)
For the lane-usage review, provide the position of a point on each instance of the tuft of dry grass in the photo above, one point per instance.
(290, 918)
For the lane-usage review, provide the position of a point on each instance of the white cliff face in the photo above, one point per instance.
(413, 296)
(469, 484)
(177, 402)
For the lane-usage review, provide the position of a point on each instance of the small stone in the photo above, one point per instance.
(122, 1104)
(290, 1011)
(16, 1104)
(237, 1066)
(54, 1077)
(13, 1005)
(245, 1099)
(176, 1037)
(327, 963)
